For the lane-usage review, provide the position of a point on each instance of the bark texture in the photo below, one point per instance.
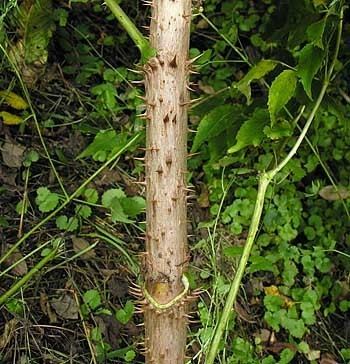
(166, 79)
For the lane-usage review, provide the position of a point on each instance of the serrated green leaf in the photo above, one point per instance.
(251, 132)
(110, 195)
(124, 314)
(92, 298)
(133, 205)
(46, 200)
(91, 195)
(281, 91)
(214, 123)
(112, 199)
(256, 73)
(83, 211)
(310, 61)
(67, 224)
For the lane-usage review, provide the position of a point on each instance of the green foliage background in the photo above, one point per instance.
(260, 63)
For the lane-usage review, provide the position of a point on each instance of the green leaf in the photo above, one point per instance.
(83, 211)
(46, 200)
(315, 33)
(63, 223)
(36, 23)
(91, 195)
(214, 123)
(310, 61)
(92, 298)
(251, 132)
(124, 314)
(281, 91)
(258, 71)
(286, 356)
(112, 199)
(105, 140)
(133, 206)
(130, 356)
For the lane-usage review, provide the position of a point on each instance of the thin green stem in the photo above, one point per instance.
(69, 199)
(140, 41)
(21, 282)
(265, 179)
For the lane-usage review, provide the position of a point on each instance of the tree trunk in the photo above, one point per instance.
(166, 79)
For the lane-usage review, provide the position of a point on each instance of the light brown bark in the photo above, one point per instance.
(166, 79)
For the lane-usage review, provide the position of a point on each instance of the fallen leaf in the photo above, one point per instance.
(264, 335)
(313, 355)
(274, 291)
(243, 314)
(15, 101)
(328, 359)
(21, 268)
(66, 307)
(9, 329)
(277, 347)
(80, 244)
(12, 154)
(46, 308)
(10, 119)
(331, 193)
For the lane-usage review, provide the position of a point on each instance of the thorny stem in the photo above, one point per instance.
(264, 181)
(68, 200)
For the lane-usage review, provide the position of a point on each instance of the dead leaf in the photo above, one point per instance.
(15, 101)
(277, 347)
(46, 308)
(328, 359)
(21, 268)
(12, 154)
(110, 329)
(206, 88)
(6, 337)
(66, 307)
(331, 193)
(80, 244)
(10, 119)
(243, 314)
(313, 355)
(203, 198)
(274, 291)
(264, 335)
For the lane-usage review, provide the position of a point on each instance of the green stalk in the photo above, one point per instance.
(68, 200)
(21, 282)
(140, 41)
(264, 181)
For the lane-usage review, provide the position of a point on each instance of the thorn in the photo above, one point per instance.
(143, 98)
(139, 158)
(140, 82)
(140, 183)
(191, 131)
(190, 88)
(173, 63)
(141, 324)
(188, 189)
(135, 71)
(191, 102)
(192, 60)
(193, 72)
(189, 155)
